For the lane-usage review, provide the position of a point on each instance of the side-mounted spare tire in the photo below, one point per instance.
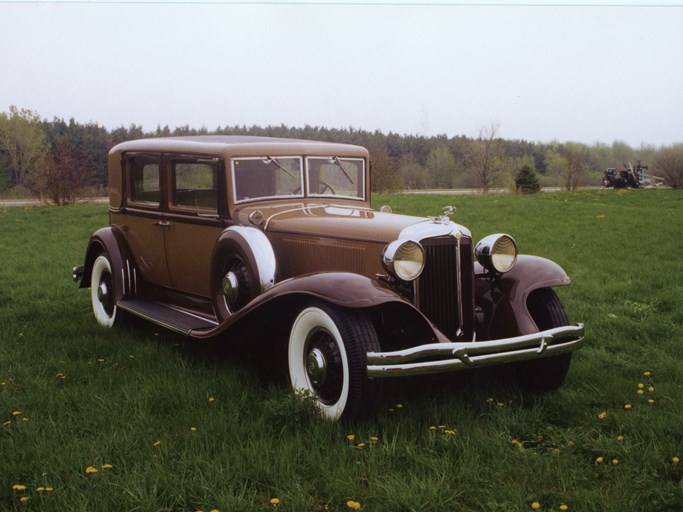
(243, 268)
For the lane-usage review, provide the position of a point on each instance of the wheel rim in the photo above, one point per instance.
(324, 366)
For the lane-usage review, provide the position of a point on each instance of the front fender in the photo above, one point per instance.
(504, 300)
(343, 289)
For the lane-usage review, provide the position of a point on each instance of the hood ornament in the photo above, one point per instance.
(445, 217)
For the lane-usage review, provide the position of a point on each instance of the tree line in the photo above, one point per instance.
(58, 160)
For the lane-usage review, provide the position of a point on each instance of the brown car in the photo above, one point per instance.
(275, 240)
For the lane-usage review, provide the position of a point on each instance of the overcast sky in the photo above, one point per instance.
(539, 72)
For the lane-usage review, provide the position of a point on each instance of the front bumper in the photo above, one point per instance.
(449, 357)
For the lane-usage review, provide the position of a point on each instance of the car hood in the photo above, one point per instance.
(351, 223)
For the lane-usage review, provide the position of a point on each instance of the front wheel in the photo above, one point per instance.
(327, 355)
(548, 373)
(102, 292)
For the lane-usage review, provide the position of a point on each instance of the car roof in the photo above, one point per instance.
(239, 145)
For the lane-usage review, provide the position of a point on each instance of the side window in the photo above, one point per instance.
(195, 184)
(143, 172)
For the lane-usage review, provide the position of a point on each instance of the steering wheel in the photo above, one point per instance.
(323, 186)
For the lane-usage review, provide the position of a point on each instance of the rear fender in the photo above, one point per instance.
(112, 242)
(504, 300)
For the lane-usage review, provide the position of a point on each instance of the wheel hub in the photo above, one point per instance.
(231, 288)
(103, 293)
(316, 367)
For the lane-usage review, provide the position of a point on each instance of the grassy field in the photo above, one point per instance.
(136, 418)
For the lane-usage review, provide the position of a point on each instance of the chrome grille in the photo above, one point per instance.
(437, 287)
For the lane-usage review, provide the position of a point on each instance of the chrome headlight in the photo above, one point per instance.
(404, 259)
(497, 253)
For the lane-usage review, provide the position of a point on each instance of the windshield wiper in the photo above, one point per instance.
(335, 160)
(270, 159)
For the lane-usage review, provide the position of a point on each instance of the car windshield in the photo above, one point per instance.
(276, 177)
(267, 177)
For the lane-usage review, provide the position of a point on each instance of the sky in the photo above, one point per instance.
(537, 71)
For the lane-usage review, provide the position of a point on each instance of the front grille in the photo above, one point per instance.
(437, 287)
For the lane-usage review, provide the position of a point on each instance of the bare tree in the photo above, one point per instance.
(669, 164)
(63, 174)
(385, 175)
(22, 140)
(575, 155)
(485, 159)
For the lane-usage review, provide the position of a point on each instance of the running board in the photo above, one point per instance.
(174, 319)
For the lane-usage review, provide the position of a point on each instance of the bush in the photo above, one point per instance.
(526, 181)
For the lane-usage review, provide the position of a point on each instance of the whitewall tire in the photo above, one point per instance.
(327, 360)
(102, 292)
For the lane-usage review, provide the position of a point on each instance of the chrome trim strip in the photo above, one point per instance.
(429, 228)
(474, 354)
(458, 272)
(123, 280)
(130, 288)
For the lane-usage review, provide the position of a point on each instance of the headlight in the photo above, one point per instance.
(497, 253)
(404, 259)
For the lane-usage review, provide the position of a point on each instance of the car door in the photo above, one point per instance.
(143, 221)
(194, 220)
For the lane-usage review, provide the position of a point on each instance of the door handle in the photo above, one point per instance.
(162, 223)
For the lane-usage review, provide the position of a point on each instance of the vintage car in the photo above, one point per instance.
(274, 241)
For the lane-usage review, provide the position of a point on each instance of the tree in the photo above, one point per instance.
(414, 176)
(63, 174)
(576, 156)
(385, 176)
(668, 162)
(485, 160)
(526, 181)
(22, 141)
(441, 167)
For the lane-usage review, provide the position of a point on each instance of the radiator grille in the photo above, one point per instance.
(437, 287)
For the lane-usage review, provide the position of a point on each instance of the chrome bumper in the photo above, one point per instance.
(449, 357)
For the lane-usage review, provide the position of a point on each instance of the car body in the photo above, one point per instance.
(224, 237)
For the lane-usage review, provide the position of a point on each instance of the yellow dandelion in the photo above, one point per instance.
(274, 501)
(500, 405)
(620, 438)
(441, 427)
(399, 406)
(156, 443)
(628, 406)
(360, 445)
(211, 399)
(353, 505)
(564, 507)
(675, 459)
(602, 416)
(90, 470)
(49, 489)
(100, 359)
(24, 419)
(215, 510)
(351, 437)
(7, 423)
(641, 385)
(193, 429)
(432, 427)
(18, 487)
(24, 499)
(647, 374)
(16, 413)
(131, 356)
(450, 433)
(651, 389)
(650, 401)
(600, 460)
(40, 489)
(107, 466)
(374, 439)
(390, 410)
(615, 461)
(640, 392)
(535, 505)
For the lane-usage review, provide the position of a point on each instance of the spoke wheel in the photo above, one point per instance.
(102, 292)
(327, 360)
(547, 373)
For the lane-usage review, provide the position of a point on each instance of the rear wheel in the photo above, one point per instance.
(327, 360)
(547, 373)
(102, 292)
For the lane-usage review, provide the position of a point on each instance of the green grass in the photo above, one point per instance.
(90, 396)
